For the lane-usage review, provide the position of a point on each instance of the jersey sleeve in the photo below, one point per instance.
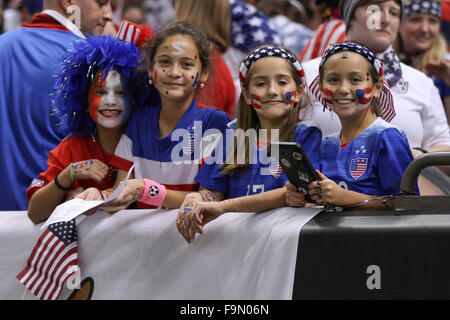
(310, 137)
(210, 176)
(58, 160)
(213, 130)
(393, 159)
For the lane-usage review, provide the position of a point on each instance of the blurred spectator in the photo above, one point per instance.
(286, 17)
(445, 27)
(420, 42)
(331, 30)
(12, 15)
(134, 13)
(1, 16)
(213, 17)
(158, 12)
(28, 60)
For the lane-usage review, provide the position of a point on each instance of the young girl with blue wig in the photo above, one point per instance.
(96, 90)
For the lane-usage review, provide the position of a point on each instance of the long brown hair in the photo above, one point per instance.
(211, 16)
(247, 119)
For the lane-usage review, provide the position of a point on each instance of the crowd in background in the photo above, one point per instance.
(306, 28)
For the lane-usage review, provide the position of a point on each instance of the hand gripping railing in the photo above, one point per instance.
(436, 176)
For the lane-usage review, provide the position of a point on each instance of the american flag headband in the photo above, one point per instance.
(269, 52)
(385, 101)
(354, 47)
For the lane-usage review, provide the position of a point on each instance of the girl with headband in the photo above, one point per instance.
(163, 141)
(96, 90)
(367, 158)
(272, 83)
(421, 45)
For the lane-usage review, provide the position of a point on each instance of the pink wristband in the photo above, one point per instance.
(154, 193)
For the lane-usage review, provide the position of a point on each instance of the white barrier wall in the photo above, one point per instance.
(139, 254)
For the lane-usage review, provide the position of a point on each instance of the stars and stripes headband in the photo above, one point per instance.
(422, 6)
(270, 51)
(385, 102)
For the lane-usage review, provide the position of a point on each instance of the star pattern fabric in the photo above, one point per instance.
(392, 68)
(269, 51)
(250, 28)
(421, 6)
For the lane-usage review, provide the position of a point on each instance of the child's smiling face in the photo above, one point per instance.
(347, 85)
(176, 69)
(271, 89)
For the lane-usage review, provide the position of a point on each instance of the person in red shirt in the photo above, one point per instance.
(95, 92)
(213, 18)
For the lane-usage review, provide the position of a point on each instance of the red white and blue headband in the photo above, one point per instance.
(385, 101)
(269, 51)
(422, 6)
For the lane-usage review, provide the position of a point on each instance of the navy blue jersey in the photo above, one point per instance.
(373, 163)
(173, 160)
(264, 172)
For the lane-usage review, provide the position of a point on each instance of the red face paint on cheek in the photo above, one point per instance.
(155, 81)
(328, 92)
(327, 95)
(93, 98)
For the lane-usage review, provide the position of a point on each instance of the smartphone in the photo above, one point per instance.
(296, 165)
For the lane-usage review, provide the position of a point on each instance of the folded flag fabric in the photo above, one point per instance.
(47, 267)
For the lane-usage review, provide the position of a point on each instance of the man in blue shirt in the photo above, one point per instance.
(29, 57)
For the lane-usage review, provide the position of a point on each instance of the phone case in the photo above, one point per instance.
(296, 165)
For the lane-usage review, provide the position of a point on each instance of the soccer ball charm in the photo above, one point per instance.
(153, 191)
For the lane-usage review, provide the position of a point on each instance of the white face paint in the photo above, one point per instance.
(178, 46)
(109, 106)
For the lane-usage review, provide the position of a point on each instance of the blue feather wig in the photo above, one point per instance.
(79, 67)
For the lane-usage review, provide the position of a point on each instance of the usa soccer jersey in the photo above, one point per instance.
(173, 161)
(373, 163)
(263, 173)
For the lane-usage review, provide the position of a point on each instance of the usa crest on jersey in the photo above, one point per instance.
(358, 166)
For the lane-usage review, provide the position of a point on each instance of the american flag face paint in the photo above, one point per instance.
(288, 103)
(327, 96)
(290, 99)
(364, 97)
(256, 102)
(109, 105)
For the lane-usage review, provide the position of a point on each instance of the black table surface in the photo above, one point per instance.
(374, 255)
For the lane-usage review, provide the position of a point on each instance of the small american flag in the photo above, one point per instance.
(55, 251)
(358, 167)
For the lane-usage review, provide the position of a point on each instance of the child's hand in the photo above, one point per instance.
(90, 194)
(90, 169)
(325, 191)
(201, 214)
(133, 191)
(187, 206)
(293, 197)
(72, 194)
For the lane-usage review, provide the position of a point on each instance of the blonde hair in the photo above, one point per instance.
(211, 16)
(247, 118)
(435, 53)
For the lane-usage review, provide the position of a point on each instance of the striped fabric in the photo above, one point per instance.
(331, 31)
